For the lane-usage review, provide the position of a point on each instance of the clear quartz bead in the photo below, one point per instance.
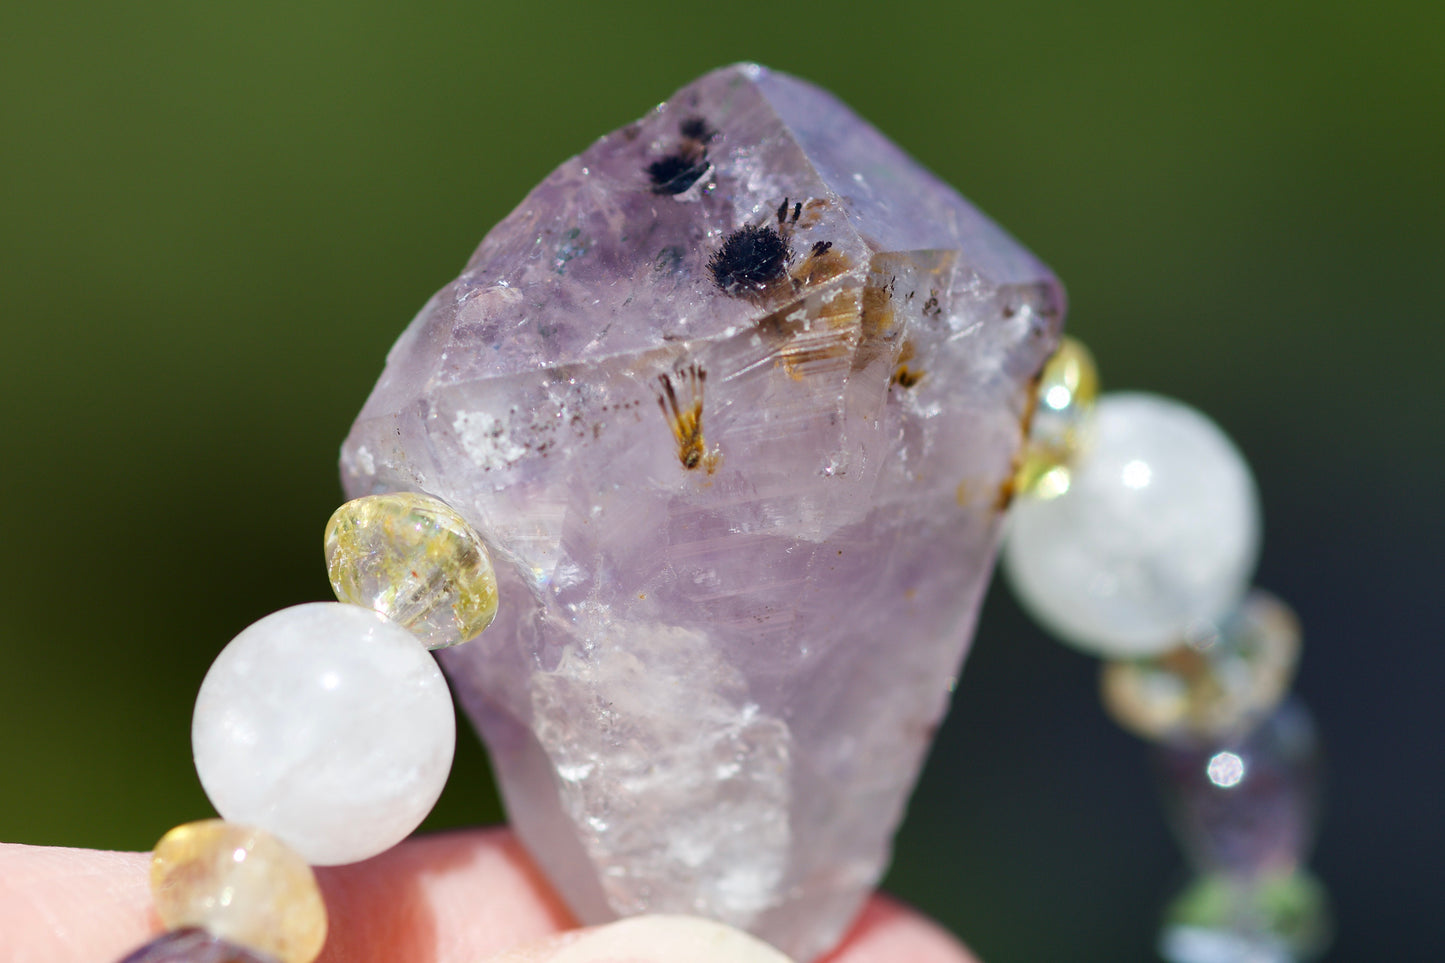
(239, 884)
(1063, 416)
(1218, 919)
(415, 560)
(1157, 533)
(1215, 686)
(327, 725)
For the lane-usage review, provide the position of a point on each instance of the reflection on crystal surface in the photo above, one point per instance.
(740, 452)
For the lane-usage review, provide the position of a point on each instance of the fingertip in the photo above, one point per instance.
(476, 895)
(72, 905)
(887, 932)
(457, 897)
(454, 896)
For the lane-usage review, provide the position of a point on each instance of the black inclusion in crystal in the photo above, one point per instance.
(750, 259)
(675, 173)
(696, 128)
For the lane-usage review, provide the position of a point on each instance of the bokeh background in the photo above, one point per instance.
(215, 218)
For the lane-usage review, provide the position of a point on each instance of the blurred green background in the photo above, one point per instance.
(217, 217)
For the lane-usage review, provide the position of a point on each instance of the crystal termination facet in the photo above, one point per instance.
(742, 504)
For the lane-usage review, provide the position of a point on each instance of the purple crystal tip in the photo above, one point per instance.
(735, 395)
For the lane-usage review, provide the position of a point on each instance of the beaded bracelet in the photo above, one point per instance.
(323, 733)
(1135, 542)
(1132, 488)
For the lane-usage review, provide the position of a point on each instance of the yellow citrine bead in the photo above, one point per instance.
(415, 560)
(241, 884)
(1064, 403)
(1217, 685)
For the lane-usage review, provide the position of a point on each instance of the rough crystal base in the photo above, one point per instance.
(736, 397)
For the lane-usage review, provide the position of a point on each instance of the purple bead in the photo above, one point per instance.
(193, 946)
(1247, 808)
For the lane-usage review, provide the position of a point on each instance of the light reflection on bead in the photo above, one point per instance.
(1064, 404)
(1157, 531)
(240, 884)
(1215, 686)
(1279, 919)
(1225, 769)
(415, 560)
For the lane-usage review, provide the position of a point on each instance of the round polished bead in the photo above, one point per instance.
(415, 560)
(1246, 808)
(1216, 685)
(240, 884)
(1062, 419)
(1283, 919)
(667, 937)
(327, 725)
(1157, 532)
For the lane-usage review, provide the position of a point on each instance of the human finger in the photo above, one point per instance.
(457, 897)
(452, 897)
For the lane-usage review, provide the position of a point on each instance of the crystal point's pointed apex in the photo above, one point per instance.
(735, 396)
(896, 202)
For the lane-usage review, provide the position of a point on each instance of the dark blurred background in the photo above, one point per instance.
(215, 219)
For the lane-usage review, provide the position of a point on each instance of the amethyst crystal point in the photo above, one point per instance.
(735, 397)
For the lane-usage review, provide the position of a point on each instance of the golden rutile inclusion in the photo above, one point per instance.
(414, 560)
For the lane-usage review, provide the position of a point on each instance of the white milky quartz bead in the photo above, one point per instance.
(329, 727)
(1157, 532)
(650, 939)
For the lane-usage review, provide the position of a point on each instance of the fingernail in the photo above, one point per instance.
(648, 939)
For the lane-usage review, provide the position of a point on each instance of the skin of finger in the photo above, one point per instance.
(450, 897)
(456, 897)
(889, 932)
(72, 905)
(453, 897)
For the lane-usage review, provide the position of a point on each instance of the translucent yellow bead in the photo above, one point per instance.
(241, 884)
(1214, 687)
(415, 560)
(1063, 404)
